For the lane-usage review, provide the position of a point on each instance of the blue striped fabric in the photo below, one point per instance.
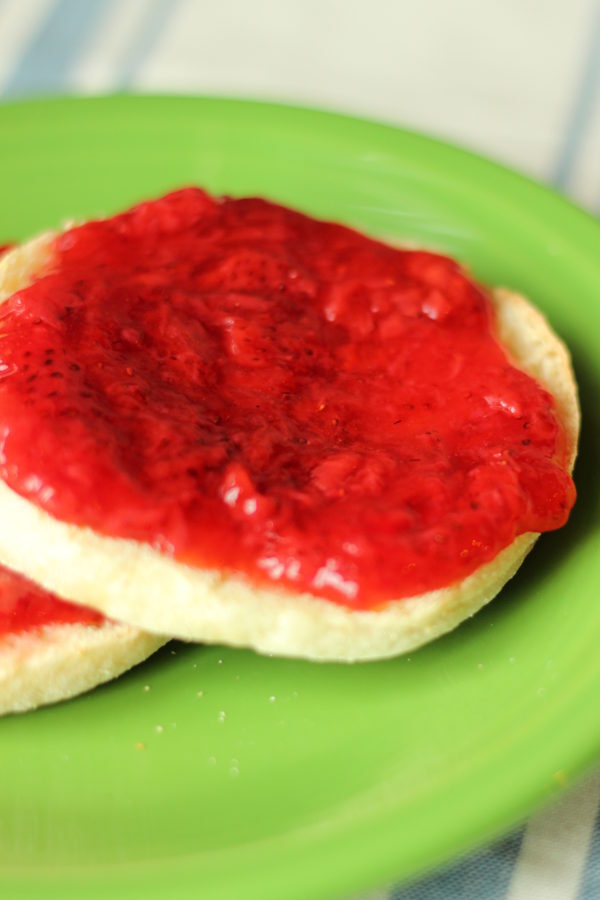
(54, 47)
(151, 27)
(584, 104)
(590, 882)
(485, 873)
(47, 62)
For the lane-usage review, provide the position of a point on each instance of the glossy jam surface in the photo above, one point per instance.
(244, 387)
(25, 607)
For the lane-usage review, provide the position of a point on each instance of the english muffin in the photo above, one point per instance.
(51, 650)
(226, 421)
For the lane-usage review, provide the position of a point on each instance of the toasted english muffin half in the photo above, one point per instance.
(51, 650)
(56, 662)
(134, 583)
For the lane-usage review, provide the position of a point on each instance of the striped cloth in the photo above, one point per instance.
(521, 83)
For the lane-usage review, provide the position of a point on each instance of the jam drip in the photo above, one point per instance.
(25, 607)
(244, 387)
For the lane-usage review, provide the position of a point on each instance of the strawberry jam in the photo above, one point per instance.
(26, 607)
(243, 387)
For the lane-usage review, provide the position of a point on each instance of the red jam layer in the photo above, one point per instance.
(244, 387)
(26, 607)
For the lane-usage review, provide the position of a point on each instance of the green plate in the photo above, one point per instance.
(215, 773)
